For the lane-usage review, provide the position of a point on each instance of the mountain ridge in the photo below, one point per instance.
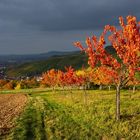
(23, 58)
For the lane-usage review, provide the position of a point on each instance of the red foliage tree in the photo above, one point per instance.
(126, 42)
(9, 85)
(2, 83)
(50, 79)
(133, 82)
(70, 77)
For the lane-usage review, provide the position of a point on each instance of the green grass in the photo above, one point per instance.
(30, 124)
(61, 115)
(28, 91)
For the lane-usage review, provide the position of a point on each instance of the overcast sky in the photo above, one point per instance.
(37, 26)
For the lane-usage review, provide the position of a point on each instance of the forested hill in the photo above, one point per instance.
(75, 59)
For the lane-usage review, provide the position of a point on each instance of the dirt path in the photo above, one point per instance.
(11, 106)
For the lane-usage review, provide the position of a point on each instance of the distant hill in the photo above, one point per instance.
(56, 60)
(76, 60)
(16, 59)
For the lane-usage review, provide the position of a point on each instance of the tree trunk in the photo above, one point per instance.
(53, 89)
(71, 94)
(109, 87)
(100, 87)
(134, 88)
(118, 102)
(85, 95)
(88, 85)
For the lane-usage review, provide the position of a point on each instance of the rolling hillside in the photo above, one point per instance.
(75, 59)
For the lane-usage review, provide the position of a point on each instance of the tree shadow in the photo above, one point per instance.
(128, 116)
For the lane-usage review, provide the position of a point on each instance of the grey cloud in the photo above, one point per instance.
(38, 42)
(66, 15)
(31, 26)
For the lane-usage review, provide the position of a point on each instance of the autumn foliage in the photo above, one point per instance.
(57, 78)
(103, 76)
(50, 78)
(126, 42)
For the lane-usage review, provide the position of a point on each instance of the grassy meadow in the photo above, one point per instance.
(62, 115)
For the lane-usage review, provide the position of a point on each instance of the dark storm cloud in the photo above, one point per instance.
(66, 14)
(32, 26)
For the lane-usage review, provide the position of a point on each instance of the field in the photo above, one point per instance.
(11, 106)
(63, 115)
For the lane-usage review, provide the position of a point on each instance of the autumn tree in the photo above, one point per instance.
(2, 83)
(69, 78)
(133, 82)
(102, 76)
(126, 41)
(9, 85)
(51, 78)
(84, 79)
